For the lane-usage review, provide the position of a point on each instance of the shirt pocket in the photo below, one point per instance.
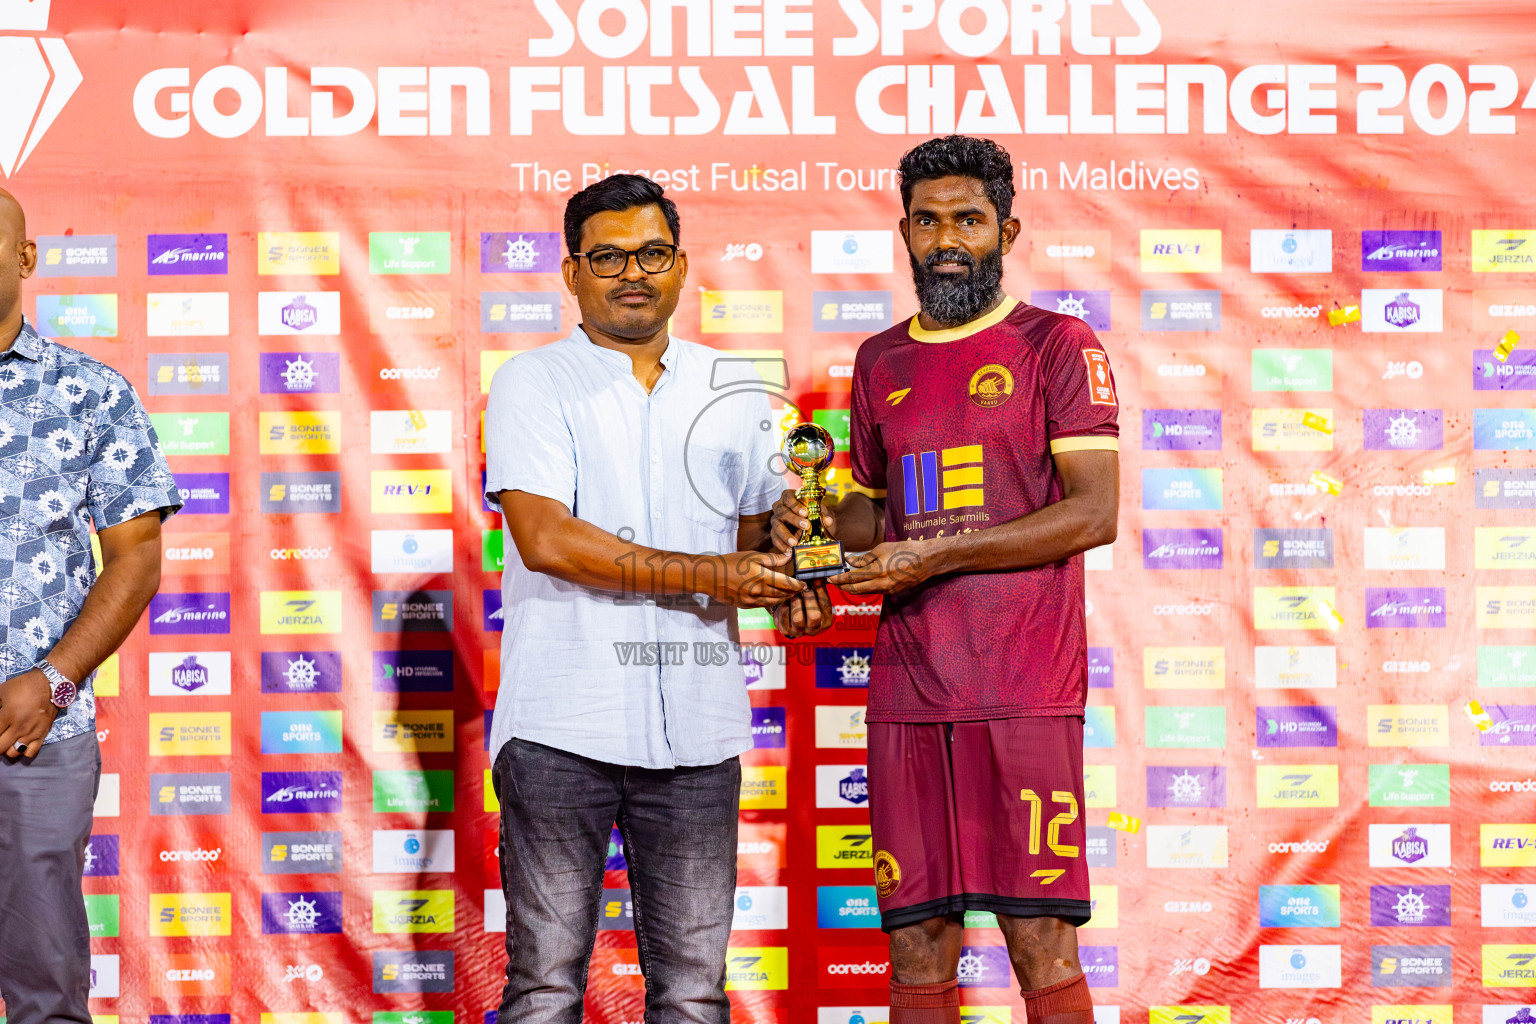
(711, 487)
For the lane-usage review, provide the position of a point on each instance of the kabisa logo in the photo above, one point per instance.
(854, 787)
(188, 675)
(1420, 846)
(42, 75)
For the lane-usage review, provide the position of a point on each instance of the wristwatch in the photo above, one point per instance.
(64, 691)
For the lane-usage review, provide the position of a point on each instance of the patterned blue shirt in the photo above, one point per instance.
(76, 448)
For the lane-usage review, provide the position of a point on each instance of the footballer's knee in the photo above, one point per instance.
(1043, 949)
(927, 952)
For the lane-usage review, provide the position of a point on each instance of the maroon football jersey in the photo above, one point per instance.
(959, 428)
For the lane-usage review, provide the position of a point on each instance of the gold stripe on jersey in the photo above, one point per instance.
(1085, 444)
(965, 330)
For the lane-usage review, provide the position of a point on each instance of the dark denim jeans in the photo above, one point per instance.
(679, 829)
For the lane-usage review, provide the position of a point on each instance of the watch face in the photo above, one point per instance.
(64, 694)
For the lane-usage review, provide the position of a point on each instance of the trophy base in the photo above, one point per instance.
(818, 561)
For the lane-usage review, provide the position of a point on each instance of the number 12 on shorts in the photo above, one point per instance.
(1052, 830)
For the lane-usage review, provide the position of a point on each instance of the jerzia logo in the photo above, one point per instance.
(42, 75)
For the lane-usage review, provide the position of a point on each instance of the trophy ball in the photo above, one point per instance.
(808, 448)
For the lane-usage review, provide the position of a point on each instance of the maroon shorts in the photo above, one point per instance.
(978, 816)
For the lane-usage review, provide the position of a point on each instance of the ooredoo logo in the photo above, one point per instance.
(40, 71)
(1512, 786)
(854, 966)
(192, 856)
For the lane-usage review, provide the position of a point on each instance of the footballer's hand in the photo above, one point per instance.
(887, 568)
(789, 521)
(757, 579)
(805, 614)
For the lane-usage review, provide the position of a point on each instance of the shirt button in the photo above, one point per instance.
(656, 514)
(655, 458)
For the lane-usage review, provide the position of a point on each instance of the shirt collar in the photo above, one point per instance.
(965, 330)
(27, 343)
(618, 360)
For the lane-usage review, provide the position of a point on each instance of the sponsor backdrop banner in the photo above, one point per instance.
(311, 234)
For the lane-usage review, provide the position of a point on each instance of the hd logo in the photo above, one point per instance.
(42, 75)
(425, 911)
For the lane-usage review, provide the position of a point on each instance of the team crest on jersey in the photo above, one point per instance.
(991, 385)
(1101, 387)
(887, 873)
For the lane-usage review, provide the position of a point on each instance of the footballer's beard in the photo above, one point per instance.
(951, 299)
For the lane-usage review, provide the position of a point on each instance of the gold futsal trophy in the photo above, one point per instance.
(808, 449)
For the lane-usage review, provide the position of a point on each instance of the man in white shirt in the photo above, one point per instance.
(635, 483)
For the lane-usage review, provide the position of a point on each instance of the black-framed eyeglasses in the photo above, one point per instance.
(610, 261)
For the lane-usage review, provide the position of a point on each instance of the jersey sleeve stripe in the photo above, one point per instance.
(1084, 444)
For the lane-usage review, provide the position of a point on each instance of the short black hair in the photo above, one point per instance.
(618, 192)
(960, 156)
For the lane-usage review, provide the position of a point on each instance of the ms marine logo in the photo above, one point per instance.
(990, 386)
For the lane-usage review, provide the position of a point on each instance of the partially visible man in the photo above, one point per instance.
(76, 450)
(622, 472)
(991, 426)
